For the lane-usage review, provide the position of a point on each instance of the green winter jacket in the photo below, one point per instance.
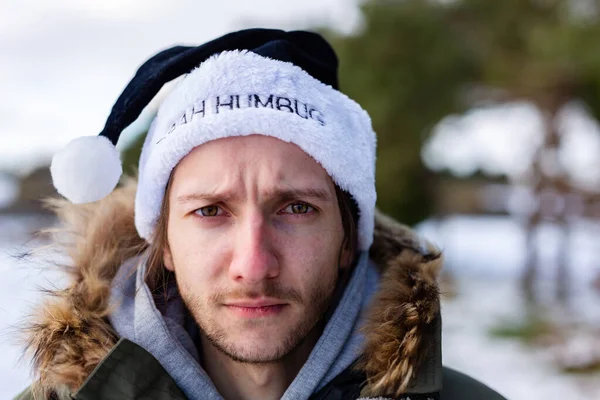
(77, 355)
(130, 373)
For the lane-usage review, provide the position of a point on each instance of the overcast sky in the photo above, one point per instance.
(64, 62)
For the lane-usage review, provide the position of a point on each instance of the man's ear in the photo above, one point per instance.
(168, 259)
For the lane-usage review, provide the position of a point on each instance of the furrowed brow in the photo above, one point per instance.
(195, 197)
(294, 194)
(282, 194)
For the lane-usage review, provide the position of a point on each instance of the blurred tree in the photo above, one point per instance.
(415, 61)
(544, 52)
(406, 68)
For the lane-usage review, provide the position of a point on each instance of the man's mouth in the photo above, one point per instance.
(256, 308)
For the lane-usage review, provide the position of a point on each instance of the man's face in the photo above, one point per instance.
(254, 238)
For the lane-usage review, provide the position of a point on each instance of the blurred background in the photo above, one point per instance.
(489, 144)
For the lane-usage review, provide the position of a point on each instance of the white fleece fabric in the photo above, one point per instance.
(238, 93)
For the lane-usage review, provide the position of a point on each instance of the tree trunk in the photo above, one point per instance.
(529, 277)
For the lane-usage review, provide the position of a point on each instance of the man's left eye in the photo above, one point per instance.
(298, 208)
(209, 211)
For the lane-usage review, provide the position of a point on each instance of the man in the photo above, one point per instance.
(247, 262)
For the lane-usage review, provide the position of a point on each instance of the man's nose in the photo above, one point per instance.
(254, 259)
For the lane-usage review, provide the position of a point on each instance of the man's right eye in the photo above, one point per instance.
(209, 211)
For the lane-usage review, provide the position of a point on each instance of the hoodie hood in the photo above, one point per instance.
(167, 331)
(70, 334)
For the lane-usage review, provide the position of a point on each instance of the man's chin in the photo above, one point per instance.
(254, 350)
(257, 341)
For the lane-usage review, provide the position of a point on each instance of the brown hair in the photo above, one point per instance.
(349, 250)
(157, 276)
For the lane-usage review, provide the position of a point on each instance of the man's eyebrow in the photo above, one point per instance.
(282, 194)
(212, 197)
(293, 194)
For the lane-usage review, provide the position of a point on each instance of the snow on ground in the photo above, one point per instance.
(486, 255)
(18, 295)
(483, 252)
(515, 370)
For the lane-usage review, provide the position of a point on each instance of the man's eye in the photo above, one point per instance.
(208, 211)
(298, 208)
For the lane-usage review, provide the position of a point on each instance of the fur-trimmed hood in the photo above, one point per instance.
(70, 333)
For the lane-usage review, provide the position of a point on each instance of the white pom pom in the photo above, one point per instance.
(87, 169)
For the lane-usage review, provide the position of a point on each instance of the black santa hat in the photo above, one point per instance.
(304, 67)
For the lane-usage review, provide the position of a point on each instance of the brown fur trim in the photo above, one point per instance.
(71, 335)
(398, 327)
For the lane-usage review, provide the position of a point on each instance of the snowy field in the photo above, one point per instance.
(484, 254)
(517, 371)
(18, 294)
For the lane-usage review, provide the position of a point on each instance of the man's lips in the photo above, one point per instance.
(256, 308)
(255, 303)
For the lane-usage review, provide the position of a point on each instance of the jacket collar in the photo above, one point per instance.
(70, 335)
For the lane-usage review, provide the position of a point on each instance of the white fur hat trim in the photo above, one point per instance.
(238, 93)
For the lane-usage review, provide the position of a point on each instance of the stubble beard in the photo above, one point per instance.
(314, 307)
